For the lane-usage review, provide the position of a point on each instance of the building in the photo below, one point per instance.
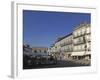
(39, 49)
(27, 50)
(76, 45)
(82, 42)
(63, 47)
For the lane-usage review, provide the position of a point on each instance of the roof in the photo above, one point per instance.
(39, 48)
(59, 39)
(81, 25)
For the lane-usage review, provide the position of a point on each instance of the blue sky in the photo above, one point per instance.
(42, 28)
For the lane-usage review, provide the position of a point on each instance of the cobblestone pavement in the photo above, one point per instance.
(61, 63)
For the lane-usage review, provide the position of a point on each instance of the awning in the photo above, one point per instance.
(78, 53)
(88, 52)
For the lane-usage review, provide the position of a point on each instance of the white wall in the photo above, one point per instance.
(5, 40)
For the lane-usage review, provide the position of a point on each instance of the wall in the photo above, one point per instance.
(5, 41)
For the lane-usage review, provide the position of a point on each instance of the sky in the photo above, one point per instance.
(42, 28)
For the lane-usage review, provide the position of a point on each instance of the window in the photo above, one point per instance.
(79, 39)
(75, 34)
(83, 47)
(75, 41)
(79, 47)
(75, 48)
(64, 48)
(83, 30)
(88, 30)
(45, 51)
(88, 37)
(88, 46)
(79, 32)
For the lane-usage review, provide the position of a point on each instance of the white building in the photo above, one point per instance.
(63, 47)
(82, 42)
(76, 45)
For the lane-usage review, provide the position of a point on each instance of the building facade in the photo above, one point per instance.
(76, 45)
(82, 42)
(27, 50)
(63, 47)
(39, 50)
